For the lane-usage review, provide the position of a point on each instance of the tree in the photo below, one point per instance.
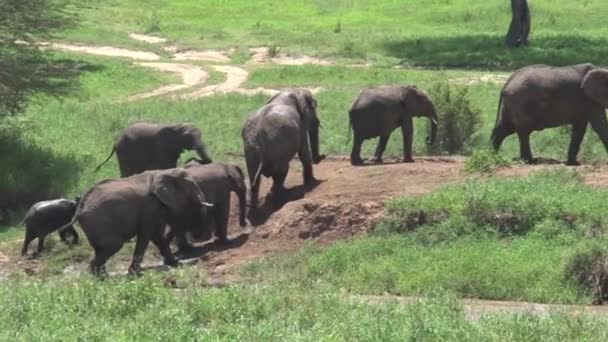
(25, 68)
(520, 24)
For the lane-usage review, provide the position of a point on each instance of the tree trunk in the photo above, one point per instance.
(520, 24)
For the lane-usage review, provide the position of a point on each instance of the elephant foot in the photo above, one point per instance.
(408, 160)
(377, 160)
(573, 163)
(308, 181)
(356, 161)
(173, 262)
(224, 241)
(184, 251)
(135, 270)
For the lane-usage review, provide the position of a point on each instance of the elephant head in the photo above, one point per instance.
(417, 103)
(189, 137)
(178, 191)
(307, 106)
(595, 86)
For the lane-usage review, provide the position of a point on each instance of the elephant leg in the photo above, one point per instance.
(165, 250)
(29, 236)
(600, 126)
(355, 154)
(578, 132)
(41, 238)
(102, 254)
(380, 148)
(184, 247)
(306, 160)
(253, 163)
(221, 221)
(278, 181)
(138, 254)
(407, 129)
(525, 152)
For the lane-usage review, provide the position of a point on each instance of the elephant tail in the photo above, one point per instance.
(498, 118)
(105, 161)
(350, 126)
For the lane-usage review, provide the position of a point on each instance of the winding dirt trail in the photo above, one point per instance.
(191, 76)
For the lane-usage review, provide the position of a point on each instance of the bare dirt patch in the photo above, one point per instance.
(108, 51)
(487, 78)
(206, 55)
(147, 38)
(191, 76)
(261, 55)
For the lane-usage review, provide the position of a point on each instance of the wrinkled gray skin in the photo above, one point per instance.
(377, 112)
(278, 131)
(45, 217)
(217, 181)
(539, 96)
(147, 146)
(114, 211)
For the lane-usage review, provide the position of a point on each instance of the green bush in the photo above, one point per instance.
(458, 119)
(485, 161)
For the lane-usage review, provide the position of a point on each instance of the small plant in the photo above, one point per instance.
(338, 27)
(153, 24)
(458, 119)
(351, 50)
(485, 161)
(588, 268)
(273, 50)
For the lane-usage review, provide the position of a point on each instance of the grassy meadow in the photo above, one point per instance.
(513, 239)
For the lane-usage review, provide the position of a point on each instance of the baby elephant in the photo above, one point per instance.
(47, 216)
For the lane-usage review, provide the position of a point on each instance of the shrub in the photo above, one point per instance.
(485, 161)
(153, 24)
(458, 120)
(588, 268)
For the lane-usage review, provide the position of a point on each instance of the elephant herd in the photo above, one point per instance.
(154, 194)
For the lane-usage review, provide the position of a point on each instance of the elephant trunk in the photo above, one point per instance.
(433, 135)
(202, 153)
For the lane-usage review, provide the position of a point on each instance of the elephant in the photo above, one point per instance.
(541, 96)
(45, 217)
(116, 210)
(287, 124)
(376, 112)
(148, 146)
(217, 181)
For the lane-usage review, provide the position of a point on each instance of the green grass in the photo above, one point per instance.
(491, 239)
(451, 33)
(123, 309)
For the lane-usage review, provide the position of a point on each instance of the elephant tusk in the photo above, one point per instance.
(207, 204)
(434, 121)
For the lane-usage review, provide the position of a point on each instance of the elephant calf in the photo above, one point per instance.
(147, 146)
(116, 210)
(377, 112)
(275, 133)
(217, 181)
(541, 96)
(45, 217)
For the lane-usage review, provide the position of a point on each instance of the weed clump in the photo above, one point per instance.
(152, 24)
(485, 161)
(588, 268)
(458, 119)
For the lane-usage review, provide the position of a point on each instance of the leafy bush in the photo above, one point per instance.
(485, 161)
(458, 120)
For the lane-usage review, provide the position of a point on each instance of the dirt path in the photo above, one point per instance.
(107, 51)
(191, 76)
(475, 308)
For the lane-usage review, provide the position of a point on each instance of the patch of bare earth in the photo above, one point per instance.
(487, 78)
(191, 75)
(147, 38)
(108, 51)
(261, 55)
(206, 55)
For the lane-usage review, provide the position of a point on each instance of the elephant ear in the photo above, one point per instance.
(595, 86)
(164, 187)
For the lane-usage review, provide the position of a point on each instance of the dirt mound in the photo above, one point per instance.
(309, 219)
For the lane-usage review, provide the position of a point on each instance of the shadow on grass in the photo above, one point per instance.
(489, 51)
(31, 173)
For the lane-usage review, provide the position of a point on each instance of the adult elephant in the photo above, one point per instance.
(378, 111)
(114, 211)
(217, 181)
(541, 96)
(275, 133)
(148, 146)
